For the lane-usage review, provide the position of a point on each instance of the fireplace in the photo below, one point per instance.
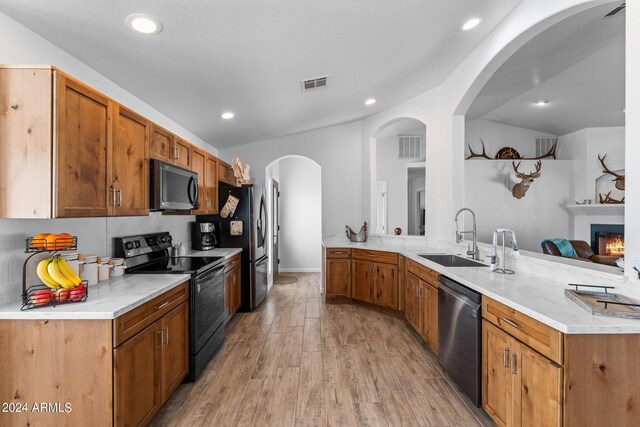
(607, 239)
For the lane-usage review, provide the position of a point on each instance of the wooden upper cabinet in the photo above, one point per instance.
(161, 144)
(130, 183)
(225, 173)
(83, 150)
(198, 164)
(26, 114)
(182, 153)
(211, 185)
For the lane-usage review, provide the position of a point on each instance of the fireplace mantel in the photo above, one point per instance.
(597, 209)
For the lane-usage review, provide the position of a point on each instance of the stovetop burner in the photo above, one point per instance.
(187, 265)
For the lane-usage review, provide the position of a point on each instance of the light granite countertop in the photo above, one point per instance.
(113, 297)
(536, 295)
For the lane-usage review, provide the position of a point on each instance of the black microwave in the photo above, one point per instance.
(172, 187)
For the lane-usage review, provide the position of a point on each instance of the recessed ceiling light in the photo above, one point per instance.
(542, 102)
(370, 101)
(228, 115)
(142, 23)
(471, 23)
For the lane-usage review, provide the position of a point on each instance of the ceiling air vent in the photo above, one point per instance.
(544, 144)
(618, 11)
(409, 147)
(315, 83)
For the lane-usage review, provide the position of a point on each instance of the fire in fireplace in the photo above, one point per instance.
(610, 244)
(607, 239)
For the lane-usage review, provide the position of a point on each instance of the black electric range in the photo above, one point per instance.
(149, 254)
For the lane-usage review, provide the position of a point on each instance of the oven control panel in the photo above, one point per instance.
(131, 246)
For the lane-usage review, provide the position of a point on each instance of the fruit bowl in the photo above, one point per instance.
(37, 296)
(51, 242)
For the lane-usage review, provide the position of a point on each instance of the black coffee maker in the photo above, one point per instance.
(203, 236)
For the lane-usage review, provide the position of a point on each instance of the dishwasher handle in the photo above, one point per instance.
(461, 297)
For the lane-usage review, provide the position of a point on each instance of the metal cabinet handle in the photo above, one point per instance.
(505, 357)
(167, 334)
(513, 363)
(113, 190)
(512, 323)
(119, 197)
(162, 305)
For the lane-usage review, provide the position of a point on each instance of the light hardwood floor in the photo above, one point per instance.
(299, 361)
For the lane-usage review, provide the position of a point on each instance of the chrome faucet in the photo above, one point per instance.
(494, 250)
(472, 253)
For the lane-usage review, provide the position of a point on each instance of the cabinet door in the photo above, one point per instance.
(137, 394)
(130, 162)
(236, 290)
(198, 166)
(385, 284)
(537, 389)
(83, 151)
(211, 185)
(429, 308)
(339, 278)
(227, 294)
(411, 289)
(161, 144)
(362, 280)
(497, 379)
(175, 348)
(25, 143)
(182, 156)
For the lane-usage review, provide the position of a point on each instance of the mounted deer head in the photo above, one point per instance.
(520, 189)
(619, 179)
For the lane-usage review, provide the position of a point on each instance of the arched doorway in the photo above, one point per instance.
(294, 194)
(398, 166)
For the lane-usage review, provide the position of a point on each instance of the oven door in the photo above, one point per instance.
(207, 306)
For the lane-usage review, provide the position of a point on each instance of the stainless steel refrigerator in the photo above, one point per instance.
(251, 212)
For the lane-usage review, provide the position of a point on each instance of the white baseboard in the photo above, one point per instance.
(300, 270)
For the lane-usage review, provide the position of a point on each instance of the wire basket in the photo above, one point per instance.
(58, 244)
(38, 296)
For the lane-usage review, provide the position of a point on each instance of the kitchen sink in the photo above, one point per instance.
(448, 260)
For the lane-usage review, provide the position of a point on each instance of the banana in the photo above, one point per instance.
(44, 275)
(67, 272)
(54, 272)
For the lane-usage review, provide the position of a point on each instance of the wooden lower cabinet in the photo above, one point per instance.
(137, 395)
(112, 372)
(520, 386)
(421, 308)
(338, 278)
(362, 280)
(385, 285)
(232, 286)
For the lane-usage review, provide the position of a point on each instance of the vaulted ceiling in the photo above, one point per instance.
(248, 56)
(577, 65)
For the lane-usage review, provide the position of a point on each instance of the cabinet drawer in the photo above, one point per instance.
(338, 253)
(376, 256)
(231, 262)
(428, 275)
(542, 338)
(139, 318)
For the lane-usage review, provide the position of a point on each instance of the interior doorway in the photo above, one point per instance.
(275, 226)
(381, 207)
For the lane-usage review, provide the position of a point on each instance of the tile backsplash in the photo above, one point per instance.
(95, 236)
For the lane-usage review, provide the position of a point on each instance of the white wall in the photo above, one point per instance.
(20, 45)
(95, 236)
(337, 150)
(497, 135)
(632, 135)
(539, 215)
(300, 184)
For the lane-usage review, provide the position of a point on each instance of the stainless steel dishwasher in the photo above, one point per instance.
(460, 336)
